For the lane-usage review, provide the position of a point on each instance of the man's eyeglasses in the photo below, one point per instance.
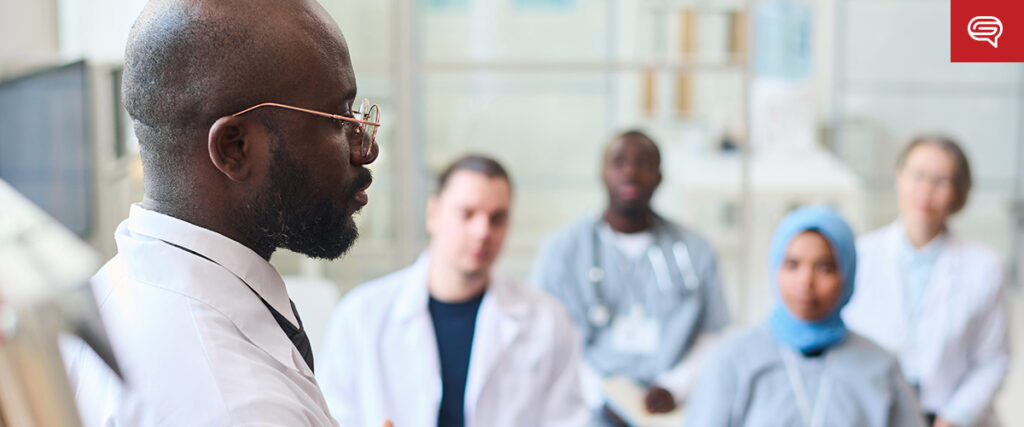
(365, 121)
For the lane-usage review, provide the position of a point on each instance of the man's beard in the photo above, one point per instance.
(289, 215)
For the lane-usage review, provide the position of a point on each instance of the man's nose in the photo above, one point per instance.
(630, 171)
(357, 157)
(480, 226)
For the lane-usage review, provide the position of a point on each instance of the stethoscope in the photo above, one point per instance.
(600, 314)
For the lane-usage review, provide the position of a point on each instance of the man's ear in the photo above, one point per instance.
(235, 145)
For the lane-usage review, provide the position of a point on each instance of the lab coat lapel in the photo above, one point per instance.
(417, 346)
(235, 299)
(498, 324)
(944, 280)
(893, 276)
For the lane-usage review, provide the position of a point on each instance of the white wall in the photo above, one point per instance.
(897, 80)
(96, 29)
(28, 34)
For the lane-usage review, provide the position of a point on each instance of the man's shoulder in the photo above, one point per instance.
(384, 287)
(139, 296)
(545, 310)
(168, 361)
(182, 315)
(568, 237)
(369, 302)
(524, 294)
(173, 390)
(154, 267)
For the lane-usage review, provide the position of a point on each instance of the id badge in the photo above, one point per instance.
(636, 333)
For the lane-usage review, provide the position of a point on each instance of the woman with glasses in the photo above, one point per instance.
(933, 297)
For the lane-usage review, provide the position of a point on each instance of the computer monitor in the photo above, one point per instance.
(45, 142)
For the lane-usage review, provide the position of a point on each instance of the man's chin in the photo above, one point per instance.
(475, 268)
(322, 248)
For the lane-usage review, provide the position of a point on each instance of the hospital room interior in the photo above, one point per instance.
(766, 117)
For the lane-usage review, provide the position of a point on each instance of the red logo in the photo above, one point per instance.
(986, 31)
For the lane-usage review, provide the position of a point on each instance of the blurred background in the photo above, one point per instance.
(758, 106)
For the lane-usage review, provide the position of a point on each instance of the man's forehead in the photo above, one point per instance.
(470, 188)
(486, 202)
(626, 143)
(325, 74)
(348, 84)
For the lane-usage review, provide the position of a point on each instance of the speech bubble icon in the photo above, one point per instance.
(985, 29)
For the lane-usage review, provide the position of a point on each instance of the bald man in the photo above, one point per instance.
(644, 292)
(249, 143)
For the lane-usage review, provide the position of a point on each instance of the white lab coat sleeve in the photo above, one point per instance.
(711, 402)
(338, 366)
(564, 405)
(989, 358)
(904, 411)
(680, 379)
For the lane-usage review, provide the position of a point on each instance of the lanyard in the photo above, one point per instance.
(812, 416)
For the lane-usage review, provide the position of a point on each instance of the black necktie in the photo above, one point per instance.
(296, 335)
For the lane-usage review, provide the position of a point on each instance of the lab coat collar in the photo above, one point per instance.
(896, 235)
(413, 300)
(929, 253)
(947, 266)
(238, 304)
(500, 320)
(241, 261)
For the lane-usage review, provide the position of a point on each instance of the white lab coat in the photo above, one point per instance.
(964, 352)
(380, 357)
(196, 345)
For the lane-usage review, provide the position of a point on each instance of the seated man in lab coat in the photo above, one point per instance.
(643, 291)
(199, 320)
(447, 343)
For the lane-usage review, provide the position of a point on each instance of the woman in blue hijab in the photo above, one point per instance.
(803, 367)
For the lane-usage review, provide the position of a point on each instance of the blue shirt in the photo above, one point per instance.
(453, 327)
(916, 266)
